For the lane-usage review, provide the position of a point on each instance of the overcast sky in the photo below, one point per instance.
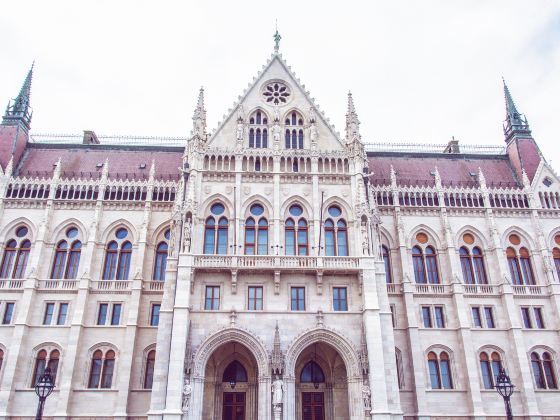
(420, 71)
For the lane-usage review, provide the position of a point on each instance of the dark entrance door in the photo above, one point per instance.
(234, 406)
(313, 406)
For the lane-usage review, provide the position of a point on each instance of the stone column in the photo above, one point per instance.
(264, 400)
(289, 398)
(197, 398)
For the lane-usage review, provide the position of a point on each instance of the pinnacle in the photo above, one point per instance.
(511, 109)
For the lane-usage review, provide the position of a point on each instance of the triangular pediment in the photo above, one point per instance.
(290, 96)
(546, 180)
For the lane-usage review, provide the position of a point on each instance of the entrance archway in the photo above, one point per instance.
(336, 392)
(230, 384)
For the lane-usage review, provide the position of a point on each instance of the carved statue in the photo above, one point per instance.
(187, 235)
(276, 132)
(277, 391)
(313, 133)
(172, 235)
(366, 395)
(365, 239)
(276, 114)
(239, 132)
(312, 116)
(187, 391)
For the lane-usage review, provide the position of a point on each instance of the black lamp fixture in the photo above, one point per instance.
(505, 389)
(43, 389)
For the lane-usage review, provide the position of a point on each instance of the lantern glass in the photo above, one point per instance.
(44, 385)
(232, 384)
(504, 385)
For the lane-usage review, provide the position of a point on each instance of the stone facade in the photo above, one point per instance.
(217, 253)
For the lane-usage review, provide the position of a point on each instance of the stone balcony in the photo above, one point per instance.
(276, 263)
(11, 284)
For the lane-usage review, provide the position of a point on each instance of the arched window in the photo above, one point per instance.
(425, 264)
(336, 235)
(472, 266)
(440, 371)
(149, 373)
(295, 232)
(102, 369)
(258, 130)
(16, 254)
(312, 373)
(161, 261)
(418, 264)
(387, 262)
(519, 261)
(234, 373)
(67, 258)
(556, 258)
(45, 358)
(256, 231)
(117, 256)
(490, 368)
(294, 131)
(543, 370)
(216, 235)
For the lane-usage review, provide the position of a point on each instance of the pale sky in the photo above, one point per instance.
(420, 71)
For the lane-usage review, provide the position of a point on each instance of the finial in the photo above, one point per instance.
(516, 123)
(437, 177)
(352, 122)
(393, 176)
(481, 178)
(277, 39)
(153, 169)
(199, 117)
(526, 182)
(20, 110)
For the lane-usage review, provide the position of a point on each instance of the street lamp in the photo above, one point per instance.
(43, 389)
(505, 389)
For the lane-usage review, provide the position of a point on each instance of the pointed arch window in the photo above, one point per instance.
(490, 367)
(234, 373)
(520, 266)
(16, 255)
(216, 234)
(256, 232)
(440, 370)
(117, 257)
(543, 371)
(387, 263)
(66, 260)
(425, 265)
(102, 369)
(294, 131)
(556, 258)
(258, 131)
(150, 366)
(312, 373)
(45, 358)
(296, 239)
(336, 235)
(161, 261)
(472, 265)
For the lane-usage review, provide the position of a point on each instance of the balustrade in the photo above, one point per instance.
(528, 290)
(111, 285)
(11, 283)
(58, 284)
(276, 262)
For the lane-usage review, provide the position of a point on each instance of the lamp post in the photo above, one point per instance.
(43, 389)
(505, 389)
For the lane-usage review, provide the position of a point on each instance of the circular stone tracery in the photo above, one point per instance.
(276, 93)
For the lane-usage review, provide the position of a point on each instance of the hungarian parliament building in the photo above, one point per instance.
(274, 269)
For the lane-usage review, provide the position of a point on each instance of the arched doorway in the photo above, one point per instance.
(321, 384)
(230, 384)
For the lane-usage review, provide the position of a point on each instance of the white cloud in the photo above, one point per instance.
(420, 71)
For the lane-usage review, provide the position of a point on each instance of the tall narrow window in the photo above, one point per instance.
(340, 299)
(294, 136)
(74, 260)
(59, 265)
(8, 259)
(111, 256)
(95, 369)
(290, 237)
(258, 131)
(387, 263)
(116, 314)
(431, 265)
(40, 365)
(161, 261)
(556, 258)
(255, 302)
(302, 244)
(477, 321)
(445, 369)
(21, 259)
(221, 245)
(539, 322)
(496, 366)
(329, 238)
(150, 365)
(400, 375)
(108, 368)
(1, 359)
(466, 265)
(433, 367)
(486, 370)
(295, 232)
(418, 263)
(124, 261)
(216, 235)
(526, 316)
(440, 320)
(49, 312)
(489, 315)
(478, 263)
(102, 313)
(154, 315)
(8, 313)
(298, 299)
(526, 268)
(62, 314)
(427, 317)
(212, 299)
(548, 369)
(538, 373)
(336, 237)
(514, 268)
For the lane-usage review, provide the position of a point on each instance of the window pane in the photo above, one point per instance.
(149, 377)
(537, 374)
(62, 313)
(440, 323)
(480, 272)
(526, 318)
(427, 316)
(154, 319)
(298, 299)
(263, 242)
(341, 243)
(329, 243)
(486, 375)
(419, 274)
(527, 271)
(468, 277)
(446, 374)
(222, 240)
(21, 263)
(59, 265)
(431, 267)
(489, 317)
(549, 374)
(95, 373)
(538, 317)
(515, 271)
(477, 322)
(434, 374)
(124, 265)
(110, 265)
(107, 379)
(209, 240)
(7, 263)
(8, 312)
(116, 315)
(73, 263)
(340, 302)
(102, 314)
(49, 311)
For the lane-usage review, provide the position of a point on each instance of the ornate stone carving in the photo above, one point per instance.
(320, 319)
(364, 361)
(365, 239)
(277, 391)
(277, 358)
(366, 396)
(187, 229)
(187, 391)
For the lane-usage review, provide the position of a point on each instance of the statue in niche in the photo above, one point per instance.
(365, 239)
(277, 391)
(313, 134)
(312, 116)
(239, 131)
(187, 391)
(276, 114)
(366, 395)
(187, 235)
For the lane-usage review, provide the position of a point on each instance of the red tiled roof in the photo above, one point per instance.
(8, 134)
(455, 170)
(124, 163)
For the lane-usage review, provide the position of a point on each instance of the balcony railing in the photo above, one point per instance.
(430, 289)
(480, 289)
(111, 285)
(153, 285)
(58, 284)
(528, 290)
(276, 262)
(13, 284)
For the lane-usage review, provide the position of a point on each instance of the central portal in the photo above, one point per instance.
(234, 406)
(313, 406)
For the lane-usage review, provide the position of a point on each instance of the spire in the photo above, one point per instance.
(515, 124)
(277, 39)
(18, 110)
(277, 359)
(199, 117)
(352, 122)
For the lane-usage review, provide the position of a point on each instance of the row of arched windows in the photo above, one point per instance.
(256, 239)
(67, 255)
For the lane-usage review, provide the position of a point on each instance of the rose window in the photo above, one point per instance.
(276, 93)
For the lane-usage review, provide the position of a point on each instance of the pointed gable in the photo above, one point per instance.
(261, 95)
